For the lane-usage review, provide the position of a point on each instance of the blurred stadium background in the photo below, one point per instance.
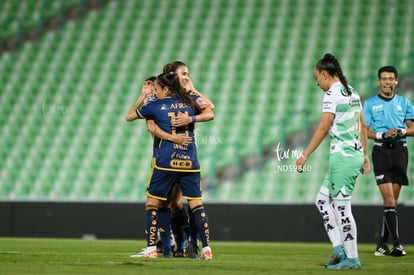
(69, 71)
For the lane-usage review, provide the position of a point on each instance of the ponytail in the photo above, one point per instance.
(330, 64)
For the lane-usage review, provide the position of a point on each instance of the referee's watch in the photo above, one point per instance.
(379, 135)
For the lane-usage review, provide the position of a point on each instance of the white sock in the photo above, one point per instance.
(347, 225)
(324, 204)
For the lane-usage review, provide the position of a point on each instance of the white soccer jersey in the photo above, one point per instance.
(345, 130)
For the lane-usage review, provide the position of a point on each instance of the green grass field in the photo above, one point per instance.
(75, 256)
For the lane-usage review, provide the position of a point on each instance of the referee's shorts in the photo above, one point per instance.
(390, 161)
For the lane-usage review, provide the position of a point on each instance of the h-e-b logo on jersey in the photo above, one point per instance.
(181, 164)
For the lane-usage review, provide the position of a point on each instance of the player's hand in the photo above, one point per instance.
(182, 139)
(187, 84)
(181, 119)
(299, 164)
(367, 166)
(147, 88)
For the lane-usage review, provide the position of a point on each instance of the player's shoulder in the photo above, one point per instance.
(150, 99)
(401, 98)
(372, 99)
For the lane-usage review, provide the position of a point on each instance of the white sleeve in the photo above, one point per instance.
(329, 103)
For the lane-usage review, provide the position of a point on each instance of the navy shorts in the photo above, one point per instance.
(161, 182)
(390, 162)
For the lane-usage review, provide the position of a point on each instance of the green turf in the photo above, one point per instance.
(74, 256)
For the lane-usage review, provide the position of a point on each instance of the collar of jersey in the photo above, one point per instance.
(385, 98)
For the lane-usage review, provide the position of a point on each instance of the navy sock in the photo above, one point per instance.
(151, 223)
(201, 221)
(164, 225)
(179, 225)
(192, 237)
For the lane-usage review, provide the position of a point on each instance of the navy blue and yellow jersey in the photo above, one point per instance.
(168, 155)
(383, 114)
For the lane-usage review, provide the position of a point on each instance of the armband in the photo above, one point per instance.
(379, 135)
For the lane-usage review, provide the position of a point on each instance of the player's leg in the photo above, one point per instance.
(192, 248)
(389, 216)
(179, 220)
(348, 231)
(400, 160)
(164, 226)
(381, 159)
(190, 185)
(324, 205)
(343, 175)
(159, 186)
(201, 222)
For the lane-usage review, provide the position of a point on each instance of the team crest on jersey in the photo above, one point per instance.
(344, 92)
(399, 108)
(200, 101)
(149, 98)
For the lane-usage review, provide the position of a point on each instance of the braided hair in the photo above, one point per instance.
(330, 64)
(170, 80)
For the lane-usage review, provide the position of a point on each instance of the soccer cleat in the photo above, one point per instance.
(168, 253)
(138, 255)
(346, 264)
(337, 255)
(206, 253)
(398, 251)
(178, 253)
(192, 251)
(149, 252)
(382, 250)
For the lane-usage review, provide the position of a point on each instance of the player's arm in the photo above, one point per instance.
(409, 131)
(318, 136)
(203, 97)
(180, 139)
(190, 87)
(145, 92)
(409, 121)
(364, 141)
(183, 119)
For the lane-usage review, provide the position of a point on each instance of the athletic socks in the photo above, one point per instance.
(164, 225)
(390, 216)
(151, 223)
(179, 225)
(329, 220)
(192, 237)
(347, 225)
(384, 233)
(201, 222)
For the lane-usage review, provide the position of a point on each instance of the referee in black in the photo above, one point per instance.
(389, 118)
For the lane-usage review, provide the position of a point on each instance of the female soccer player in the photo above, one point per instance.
(175, 163)
(179, 218)
(342, 117)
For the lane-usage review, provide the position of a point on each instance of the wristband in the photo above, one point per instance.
(193, 118)
(379, 135)
(402, 132)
